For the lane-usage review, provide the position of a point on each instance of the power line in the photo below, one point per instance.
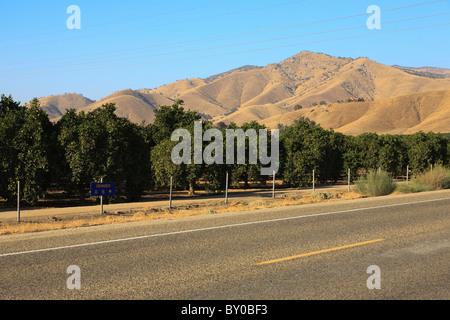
(241, 52)
(157, 25)
(140, 17)
(229, 45)
(222, 37)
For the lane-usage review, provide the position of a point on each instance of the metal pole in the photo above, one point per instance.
(226, 189)
(314, 184)
(170, 195)
(407, 174)
(101, 200)
(349, 179)
(273, 185)
(18, 200)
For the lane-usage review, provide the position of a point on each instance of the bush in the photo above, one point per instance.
(209, 211)
(258, 203)
(413, 187)
(438, 178)
(376, 184)
(326, 195)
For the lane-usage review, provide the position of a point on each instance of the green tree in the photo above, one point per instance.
(167, 120)
(351, 156)
(369, 145)
(392, 154)
(100, 145)
(170, 118)
(305, 148)
(247, 172)
(163, 168)
(426, 149)
(26, 150)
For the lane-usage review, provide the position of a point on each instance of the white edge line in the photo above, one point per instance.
(212, 228)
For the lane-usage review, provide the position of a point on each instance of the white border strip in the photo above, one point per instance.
(213, 228)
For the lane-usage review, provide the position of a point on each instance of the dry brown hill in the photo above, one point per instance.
(360, 78)
(404, 114)
(133, 105)
(56, 105)
(305, 79)
(273, 92)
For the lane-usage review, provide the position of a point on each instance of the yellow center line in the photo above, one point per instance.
(320, 251)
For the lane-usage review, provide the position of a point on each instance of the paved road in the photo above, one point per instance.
(317, 251)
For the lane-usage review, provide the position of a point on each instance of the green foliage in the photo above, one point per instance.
(163, 167)
(351, 156)
(26, 150)
(84, 147)
(368, 146)
(413, 187)
(100, 145)
(167, 120)
(426, 149)
(248, 172)
(376, 183)
(304, 148)
(392, 155)
(326, 195)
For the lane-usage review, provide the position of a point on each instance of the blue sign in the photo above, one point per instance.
(103, 189)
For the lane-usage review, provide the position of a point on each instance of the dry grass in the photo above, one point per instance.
(438, 178)
(207, 207)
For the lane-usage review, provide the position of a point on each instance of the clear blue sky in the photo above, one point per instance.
(146, 44)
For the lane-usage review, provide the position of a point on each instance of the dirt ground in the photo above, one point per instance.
(48, 218)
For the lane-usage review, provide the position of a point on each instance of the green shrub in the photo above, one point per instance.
(209, 211)
(326, 195)
(376, 184)
(438, 178)
(258, 203)
(412, 187)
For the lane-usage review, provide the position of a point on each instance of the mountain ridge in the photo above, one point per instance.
(304, 81)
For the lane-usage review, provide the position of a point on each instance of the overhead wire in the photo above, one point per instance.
(184, 21)
(443, 23)
(187, 42)
(228, 45)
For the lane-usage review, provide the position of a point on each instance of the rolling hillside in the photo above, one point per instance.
(133, 105)
(404, 114)
(397, 99)
(56, 106)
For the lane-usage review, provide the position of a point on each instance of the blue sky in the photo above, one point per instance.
(146, 44)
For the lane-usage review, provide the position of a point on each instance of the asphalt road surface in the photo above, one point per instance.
(397, 245)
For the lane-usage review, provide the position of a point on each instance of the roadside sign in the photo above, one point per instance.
(103, 189)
